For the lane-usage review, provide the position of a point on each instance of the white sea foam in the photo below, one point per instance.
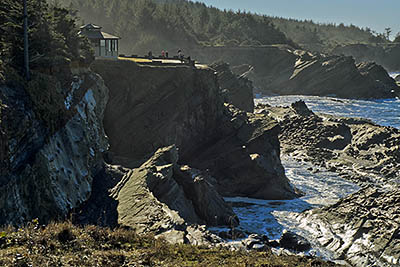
(322, 188)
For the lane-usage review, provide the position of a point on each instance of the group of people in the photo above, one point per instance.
(164, 54)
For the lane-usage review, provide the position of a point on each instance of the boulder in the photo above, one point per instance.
(293, 241)
(301, 108)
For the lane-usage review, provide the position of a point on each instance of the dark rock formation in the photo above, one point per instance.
(355, 148)
(385, 55)
(49, 162)
(363, 229)
(282, 70)
(152, 107)
(245, 160)
(337, 76)
(239, 89)
(262, 65)
(292, 241)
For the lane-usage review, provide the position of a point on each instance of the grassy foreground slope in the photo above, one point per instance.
(63, 244)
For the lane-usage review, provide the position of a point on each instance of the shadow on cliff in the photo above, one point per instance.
(101, 208)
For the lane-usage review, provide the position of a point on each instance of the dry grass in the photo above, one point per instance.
(63, 244)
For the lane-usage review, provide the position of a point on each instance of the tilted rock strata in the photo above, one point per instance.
(246, 159)
(363, 228)
(337, 76)
(160, 192)
(159, 197)
(47, 175)
(355, 148)
(283, 70)
(153, 107)
(239, 89)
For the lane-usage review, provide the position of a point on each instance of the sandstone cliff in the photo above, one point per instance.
(175, 148)
(52, 141)
(283, 70)
(153, 107)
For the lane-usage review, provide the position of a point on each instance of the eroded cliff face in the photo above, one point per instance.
(48, 166)
(385, 56)
(153, 107)
(238, 90)
(283, 70)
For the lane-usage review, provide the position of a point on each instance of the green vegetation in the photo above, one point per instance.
(147, 25)
(325, 36)
(53, 37)
(63, 244)
(53, 44)
(171, 24)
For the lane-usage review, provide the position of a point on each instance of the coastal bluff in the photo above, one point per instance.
(131, 145)
(284, 70)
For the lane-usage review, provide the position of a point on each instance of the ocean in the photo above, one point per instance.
(323, 188)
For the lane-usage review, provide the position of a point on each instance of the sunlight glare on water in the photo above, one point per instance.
(385, 112)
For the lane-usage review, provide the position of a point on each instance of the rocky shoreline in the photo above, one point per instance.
(156, 149)
(284, 70)
(363, 227)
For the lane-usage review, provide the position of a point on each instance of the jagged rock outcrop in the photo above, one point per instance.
(363, 229)
(160, 197)
(246, 160)
(239, 89)
(336, 76)
(385, 55)
(153, 107)
(49, 162)
(283, 70)
(355, 148)
(267, 63)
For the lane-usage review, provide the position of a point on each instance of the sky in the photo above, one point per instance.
(375, 14)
